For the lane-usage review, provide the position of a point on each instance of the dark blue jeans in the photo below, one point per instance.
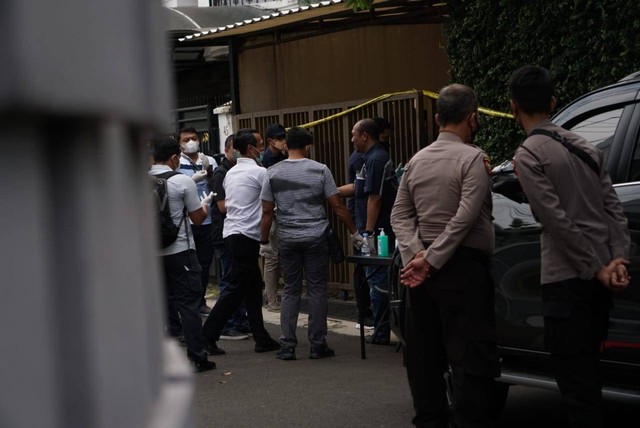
(203, 237)
(379, 293)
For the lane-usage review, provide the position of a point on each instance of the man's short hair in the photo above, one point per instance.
(243, 139)
(370, 127)
(298, 138)
(382, 123)
(164, 148)
(455, 103)
(228, 143)
(188, 130)
(531, 87)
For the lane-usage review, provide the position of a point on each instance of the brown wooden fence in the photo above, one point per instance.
(413, 127)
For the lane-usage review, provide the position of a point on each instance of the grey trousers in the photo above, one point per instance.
(271, 273)
(313, 258)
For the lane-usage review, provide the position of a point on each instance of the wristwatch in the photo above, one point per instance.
(264, 242)
(370, 232)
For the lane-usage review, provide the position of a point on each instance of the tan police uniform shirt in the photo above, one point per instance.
(583, 224)
(444, 198)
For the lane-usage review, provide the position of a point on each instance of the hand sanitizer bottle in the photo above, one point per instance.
(383, 244)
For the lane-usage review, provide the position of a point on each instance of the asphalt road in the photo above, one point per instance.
(257, 390)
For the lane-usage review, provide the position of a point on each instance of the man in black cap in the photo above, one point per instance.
(275, 152)
(275, 134)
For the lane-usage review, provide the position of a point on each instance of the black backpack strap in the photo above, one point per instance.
(584, 156)
(168, 174)
(165, 176)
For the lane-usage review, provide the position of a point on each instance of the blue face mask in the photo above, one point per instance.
(235, 154)
(260, 154)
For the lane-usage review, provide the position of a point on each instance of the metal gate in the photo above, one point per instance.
(413, 127)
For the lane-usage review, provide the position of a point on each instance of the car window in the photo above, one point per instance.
(599, 129)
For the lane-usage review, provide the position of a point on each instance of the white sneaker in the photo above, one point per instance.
(233, 335)
(366, 327)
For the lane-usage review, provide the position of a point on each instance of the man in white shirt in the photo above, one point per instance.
(241, 233)
(179, 261)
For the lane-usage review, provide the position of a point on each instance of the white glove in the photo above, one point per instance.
(372, 244)
(199, 175)
(357, 240)
(266, 250)
(205, 200)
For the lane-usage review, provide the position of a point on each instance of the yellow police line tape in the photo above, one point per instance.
(429, 94)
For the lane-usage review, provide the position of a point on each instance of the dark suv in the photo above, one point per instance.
(610, 119)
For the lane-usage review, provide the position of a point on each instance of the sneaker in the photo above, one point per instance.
(377, 340)
(366, 327)
(205, 310)
(323, 352)
(269, 346)
(203, 365)
(286, 353)
(212, 348)
(233, 335)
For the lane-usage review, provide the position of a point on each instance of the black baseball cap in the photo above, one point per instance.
(275, 131)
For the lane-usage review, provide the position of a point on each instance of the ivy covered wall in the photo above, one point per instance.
(585, 44)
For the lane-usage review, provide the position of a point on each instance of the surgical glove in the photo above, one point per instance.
(199, 176)
(372, 244)
(205, 199)
(357, 240)
(266, 250)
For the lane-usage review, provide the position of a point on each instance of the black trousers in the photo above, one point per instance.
(203, 237)
(183, 289)
(450, 322)
(576, 321)
(245, 284)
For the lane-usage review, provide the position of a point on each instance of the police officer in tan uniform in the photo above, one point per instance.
(584, 242)
(443, 226)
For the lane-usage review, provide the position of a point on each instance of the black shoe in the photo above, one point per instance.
(377, 340)
(203, 365)
(269, 346)
(205, 310)
(323, 352)
(212, 348)
(286, 353)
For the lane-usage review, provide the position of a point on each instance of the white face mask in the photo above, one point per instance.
(191, 146)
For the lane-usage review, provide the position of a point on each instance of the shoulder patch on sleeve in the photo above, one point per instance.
(487, 164)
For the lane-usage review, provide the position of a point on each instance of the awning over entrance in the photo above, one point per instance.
(181, 22)
(191, 19)
(322, 17)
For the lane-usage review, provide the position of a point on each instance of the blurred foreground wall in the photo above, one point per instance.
(82, 84)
